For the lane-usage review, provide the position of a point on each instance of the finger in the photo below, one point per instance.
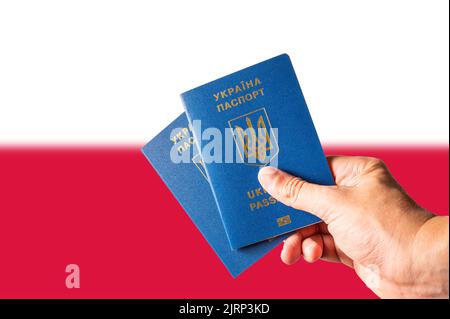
(329, 249)
(332, 253)
(291, 251)
(312, 248)
(292, 248)
(320, 246)
(295, 192)
(323, 228)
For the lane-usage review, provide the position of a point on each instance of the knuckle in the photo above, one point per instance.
(377, 163)
(291, 189)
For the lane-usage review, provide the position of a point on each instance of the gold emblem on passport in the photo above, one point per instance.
(254, 137)
(282, 221)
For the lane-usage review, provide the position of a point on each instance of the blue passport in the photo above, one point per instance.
(189, 184)
(241, 122)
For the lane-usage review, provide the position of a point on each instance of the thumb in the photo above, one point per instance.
(293, 191)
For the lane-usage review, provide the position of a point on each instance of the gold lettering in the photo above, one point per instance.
(265, 202)
(227, 106)
(241, 99)
(223, 94)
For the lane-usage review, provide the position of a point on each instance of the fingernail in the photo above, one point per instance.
(265, 176)
(268, 170)
(282, 250)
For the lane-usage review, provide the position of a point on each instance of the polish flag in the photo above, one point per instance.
(84, 85)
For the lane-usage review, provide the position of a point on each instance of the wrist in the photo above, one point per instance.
(418, 265)
(429, 255)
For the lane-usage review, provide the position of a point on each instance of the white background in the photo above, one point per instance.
(111, 72)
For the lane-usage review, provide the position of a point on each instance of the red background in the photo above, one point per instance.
(106, 210)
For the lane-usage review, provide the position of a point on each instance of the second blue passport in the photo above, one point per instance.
(249, 119)
(189, 185)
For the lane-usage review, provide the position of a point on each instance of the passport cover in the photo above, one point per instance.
(189, 185)
(264, 96)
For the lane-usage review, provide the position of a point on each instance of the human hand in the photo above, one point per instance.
(369, 223)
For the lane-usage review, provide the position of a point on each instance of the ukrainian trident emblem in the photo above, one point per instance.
(254, 137)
